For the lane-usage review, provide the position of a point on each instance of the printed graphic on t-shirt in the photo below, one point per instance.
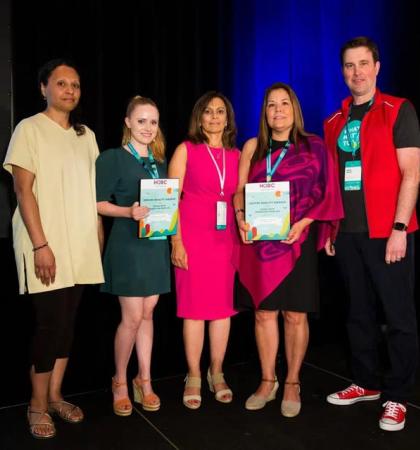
(349, 139)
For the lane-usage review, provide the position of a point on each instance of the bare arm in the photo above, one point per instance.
(177, 169)
(44, 260)
(101, 235)
(409, 163)
(238, 198)
(135, 211)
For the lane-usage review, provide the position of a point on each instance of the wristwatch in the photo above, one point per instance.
(399, 226)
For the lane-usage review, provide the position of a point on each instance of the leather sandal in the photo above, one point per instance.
(291, 408)
(256, 402)
(149, 402)
(37, 419)
(65, 411)
(123, 406)
(187, 399)
(223, 395)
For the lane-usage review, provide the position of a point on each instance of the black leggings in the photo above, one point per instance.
(55, 312)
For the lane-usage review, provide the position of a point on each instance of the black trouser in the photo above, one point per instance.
(55, 312)
(368, 280)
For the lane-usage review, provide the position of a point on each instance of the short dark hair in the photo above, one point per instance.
(44, 74)
(196, 135)
(360, 41)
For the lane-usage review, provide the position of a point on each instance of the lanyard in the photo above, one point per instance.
(355, 145)
(153, 170)
(271, 171)
(222, 175)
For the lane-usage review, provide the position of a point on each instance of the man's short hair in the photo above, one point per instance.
(360, 41)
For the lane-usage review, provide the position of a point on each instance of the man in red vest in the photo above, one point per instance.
(375, 141)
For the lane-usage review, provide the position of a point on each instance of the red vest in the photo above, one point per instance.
(381, 175)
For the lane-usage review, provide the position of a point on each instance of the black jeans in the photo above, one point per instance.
(55, 312)
(371, 283)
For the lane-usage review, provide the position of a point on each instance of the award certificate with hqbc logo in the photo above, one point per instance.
(267, 210)
(160, 195)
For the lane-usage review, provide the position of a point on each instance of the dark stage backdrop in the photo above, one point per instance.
(170, 51)
(5, 117)
(173, 52)
(299, 43)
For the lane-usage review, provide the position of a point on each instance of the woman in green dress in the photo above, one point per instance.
(137, 270)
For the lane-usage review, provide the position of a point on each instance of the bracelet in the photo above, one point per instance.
(41, 246)
(238, 210)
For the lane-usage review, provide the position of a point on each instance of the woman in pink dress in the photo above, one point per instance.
(207, 167)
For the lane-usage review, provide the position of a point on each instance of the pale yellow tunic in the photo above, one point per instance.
(64, 187)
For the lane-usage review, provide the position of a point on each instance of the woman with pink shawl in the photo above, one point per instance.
(282, 275)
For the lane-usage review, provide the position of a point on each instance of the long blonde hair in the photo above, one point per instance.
(158, 144)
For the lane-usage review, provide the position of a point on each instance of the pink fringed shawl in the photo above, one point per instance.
(314, 193)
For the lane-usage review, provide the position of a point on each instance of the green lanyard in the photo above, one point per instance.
(271, 171)
(355, 145)
(153, 170)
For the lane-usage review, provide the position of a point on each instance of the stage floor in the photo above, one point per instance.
(216, 426)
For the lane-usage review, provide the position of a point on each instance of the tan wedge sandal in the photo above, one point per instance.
(291, 408)
(256, 402)
(149, 402)
(123, 406)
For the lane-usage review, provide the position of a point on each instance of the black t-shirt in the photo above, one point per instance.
(275, 145)
(406, 134)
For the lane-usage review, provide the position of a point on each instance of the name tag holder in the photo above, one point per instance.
(353, 175)
(221, 215)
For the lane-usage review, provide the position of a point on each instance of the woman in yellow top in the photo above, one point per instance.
(55, 233)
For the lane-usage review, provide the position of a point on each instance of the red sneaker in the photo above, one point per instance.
(352, 394)
(393, 417)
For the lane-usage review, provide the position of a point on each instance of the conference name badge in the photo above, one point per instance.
(221, 215)
(353, 176)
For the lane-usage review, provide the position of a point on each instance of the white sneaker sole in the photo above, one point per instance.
(341, 402)
(390, 426)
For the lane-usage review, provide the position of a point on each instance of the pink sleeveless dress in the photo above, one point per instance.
(205, 290)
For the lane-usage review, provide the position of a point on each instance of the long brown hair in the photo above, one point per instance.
(158, 145)
(195, 133)
(298, 132)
